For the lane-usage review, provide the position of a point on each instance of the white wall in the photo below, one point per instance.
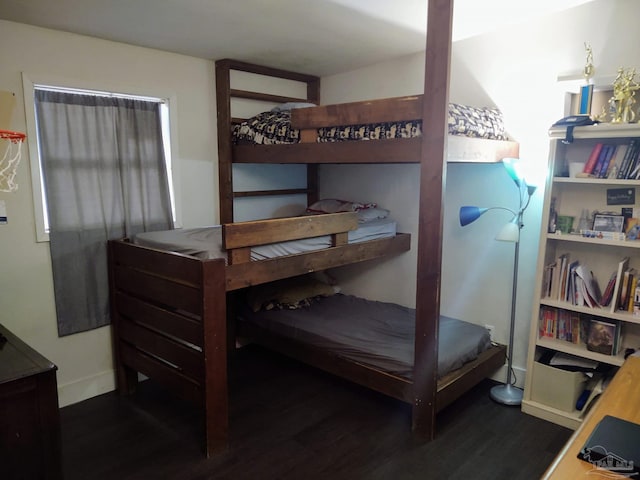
(26, 289)
(516, 70)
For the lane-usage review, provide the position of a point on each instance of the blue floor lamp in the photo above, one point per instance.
(507, 394)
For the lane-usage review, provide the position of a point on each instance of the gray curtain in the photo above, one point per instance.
(105, 177)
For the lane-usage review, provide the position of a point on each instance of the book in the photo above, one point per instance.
(635, 174)
(630, 223)
(548, 322)
(625, 160)
(622, 266)
(616, 161)
(563, 328)
(629, 157)
(608, 291)
(585, 323)
(602, 172)
(632, 292)
(617, 341)
(632, 169)
(591, 291)
(636, 301)
(604, 152)
(564, 277)
(579, 329)
(573, 293)
(593, 158)
(556, 278)
(625, 290)
(547, 280)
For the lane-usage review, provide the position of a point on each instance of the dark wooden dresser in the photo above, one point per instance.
(29, 417)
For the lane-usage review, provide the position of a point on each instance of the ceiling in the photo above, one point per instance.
(318, 37)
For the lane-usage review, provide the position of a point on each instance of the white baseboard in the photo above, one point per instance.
(501, 375)
(104, 382)
(85, 388)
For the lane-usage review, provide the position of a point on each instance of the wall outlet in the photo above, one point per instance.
(491, 328)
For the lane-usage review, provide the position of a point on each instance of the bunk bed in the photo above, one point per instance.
(169, 309)
(300, 136)
(173, 314)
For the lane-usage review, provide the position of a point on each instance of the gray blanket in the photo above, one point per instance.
(376, 333)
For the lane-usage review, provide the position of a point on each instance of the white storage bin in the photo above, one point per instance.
(555, 387)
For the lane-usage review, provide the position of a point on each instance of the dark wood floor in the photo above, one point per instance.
(289, 421)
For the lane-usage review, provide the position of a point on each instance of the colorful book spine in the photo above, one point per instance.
(632, 291)
(633, 164)
(608, 291)
(602, 173)
(616, 161)
(601, 157)
(592, 160)
(622, 266)
(628, 158)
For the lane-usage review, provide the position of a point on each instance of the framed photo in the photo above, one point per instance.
(602, 336)
(608, 223)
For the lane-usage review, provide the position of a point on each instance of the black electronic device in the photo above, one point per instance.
(573, 121)
(614, 445)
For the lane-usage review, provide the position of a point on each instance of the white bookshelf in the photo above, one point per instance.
(601, 256)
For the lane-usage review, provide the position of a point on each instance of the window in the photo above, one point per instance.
(104, 176)
(31, 85)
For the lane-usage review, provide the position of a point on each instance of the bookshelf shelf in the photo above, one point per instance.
(579, 351)
(570, 237)
(596, 312)
(573, 270)
(597, 181)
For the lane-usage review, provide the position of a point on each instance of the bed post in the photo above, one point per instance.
(432, 177)
(223, 101)
(126, 377)
(313, 94)
(214, 324)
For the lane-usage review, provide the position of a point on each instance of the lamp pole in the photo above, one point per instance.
(507, 393)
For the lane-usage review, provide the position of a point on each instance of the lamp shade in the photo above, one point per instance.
(470, 214)
(510, 232)
(510, 167)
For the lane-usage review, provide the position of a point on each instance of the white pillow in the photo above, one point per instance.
(369, 214)
(291, 105)
(333, 205)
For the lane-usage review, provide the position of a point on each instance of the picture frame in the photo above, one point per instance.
(602, 336)
(608, 223)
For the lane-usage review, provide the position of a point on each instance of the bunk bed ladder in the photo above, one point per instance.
(224, 94)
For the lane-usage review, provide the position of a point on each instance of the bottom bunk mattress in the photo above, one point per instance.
(379, 334)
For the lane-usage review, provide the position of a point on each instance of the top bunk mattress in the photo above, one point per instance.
(376, 333)
(206, 242)
(274, 127)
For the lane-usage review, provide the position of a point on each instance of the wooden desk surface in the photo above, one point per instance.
(19, 360)
(620, 399)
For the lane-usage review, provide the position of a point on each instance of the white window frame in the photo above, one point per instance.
(29, 84)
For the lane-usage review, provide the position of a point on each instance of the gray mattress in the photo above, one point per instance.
(376, 333)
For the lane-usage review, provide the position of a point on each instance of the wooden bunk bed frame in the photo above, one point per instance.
(170, 311)
(431, 150)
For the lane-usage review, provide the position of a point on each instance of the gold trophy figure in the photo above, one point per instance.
(624, 91)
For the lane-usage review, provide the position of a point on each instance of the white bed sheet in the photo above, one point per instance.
(206, 242)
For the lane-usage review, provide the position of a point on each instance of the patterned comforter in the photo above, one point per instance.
(274, 127)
